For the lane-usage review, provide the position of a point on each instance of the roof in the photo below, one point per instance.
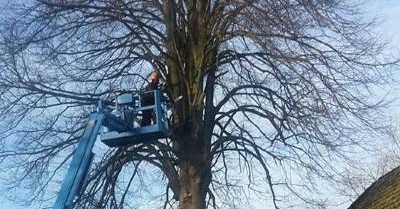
(382, 194)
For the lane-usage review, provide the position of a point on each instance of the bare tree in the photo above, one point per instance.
(273, 93)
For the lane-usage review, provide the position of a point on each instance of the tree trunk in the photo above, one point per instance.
(187, 46)
(195, 175)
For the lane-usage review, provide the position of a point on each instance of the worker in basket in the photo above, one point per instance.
(148, 98)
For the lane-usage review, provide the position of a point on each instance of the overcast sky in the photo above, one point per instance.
(389, 13)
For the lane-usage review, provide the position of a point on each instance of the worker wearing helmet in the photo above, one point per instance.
(148, 98)
(155, 77)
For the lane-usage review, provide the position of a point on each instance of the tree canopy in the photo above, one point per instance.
(273, 94)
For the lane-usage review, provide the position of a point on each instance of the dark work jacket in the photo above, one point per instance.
(148, 98)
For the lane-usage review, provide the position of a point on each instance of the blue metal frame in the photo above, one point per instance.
(120, 132)
(138, 134)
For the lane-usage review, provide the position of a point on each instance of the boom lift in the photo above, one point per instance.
(118, 126)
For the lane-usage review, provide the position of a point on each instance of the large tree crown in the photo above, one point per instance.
(275, 89)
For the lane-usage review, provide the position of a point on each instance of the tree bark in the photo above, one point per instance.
(195, 173)
(188, 47)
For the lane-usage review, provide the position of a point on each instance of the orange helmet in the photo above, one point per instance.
(154, 76)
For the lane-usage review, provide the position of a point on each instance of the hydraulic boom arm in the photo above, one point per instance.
(121, 131)
(83, 157)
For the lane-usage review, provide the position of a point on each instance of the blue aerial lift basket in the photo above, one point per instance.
(118, 126)
(130, 108)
